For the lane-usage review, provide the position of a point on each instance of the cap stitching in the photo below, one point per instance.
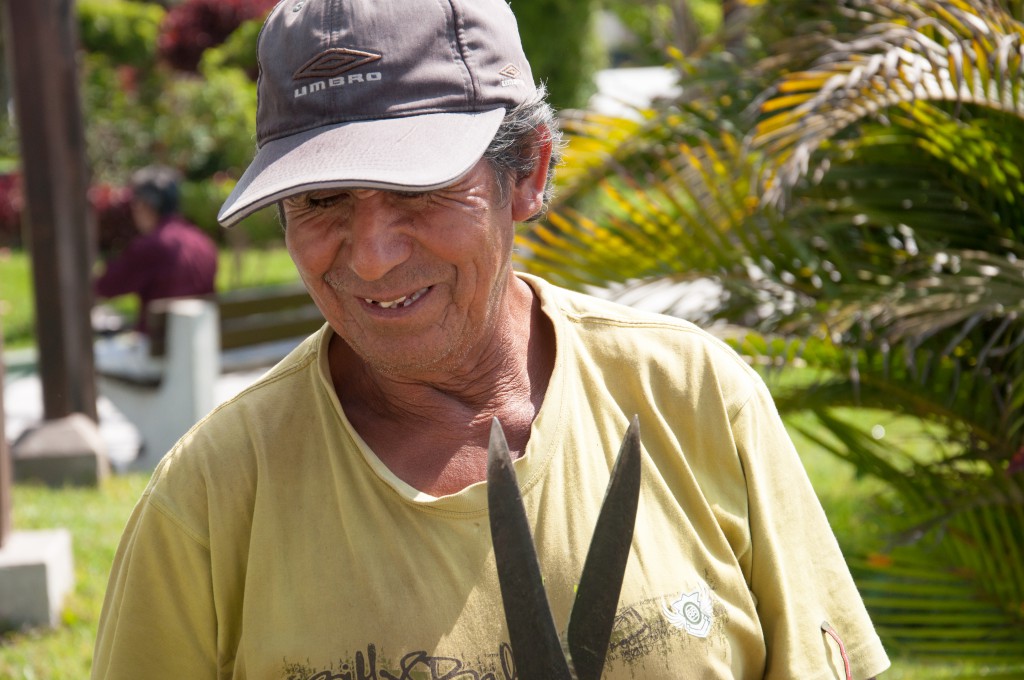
(259, 62)
(459, 53)
(334, 15)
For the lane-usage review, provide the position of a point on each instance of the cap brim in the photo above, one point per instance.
(423, 152)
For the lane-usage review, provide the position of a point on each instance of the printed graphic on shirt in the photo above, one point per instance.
(692, 612)
(659, 627)
(415, 665)
(645, 631)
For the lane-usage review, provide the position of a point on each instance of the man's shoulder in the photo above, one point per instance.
(177, 227)
(264, 401)
(221, 457)
(623, 340)
(285, 386)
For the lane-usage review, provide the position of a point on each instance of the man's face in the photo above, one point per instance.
(414, 283)
(144, 216)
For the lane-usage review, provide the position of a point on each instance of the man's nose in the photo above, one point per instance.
(379, 235)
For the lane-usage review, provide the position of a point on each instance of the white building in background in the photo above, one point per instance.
(621, 91)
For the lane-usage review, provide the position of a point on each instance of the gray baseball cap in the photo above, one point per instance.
(387, 94)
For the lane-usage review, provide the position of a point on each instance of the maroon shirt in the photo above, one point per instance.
(175, 260)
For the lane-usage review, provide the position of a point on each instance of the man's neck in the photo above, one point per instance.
(432, 430)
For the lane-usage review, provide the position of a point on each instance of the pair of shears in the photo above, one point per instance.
(537, 649)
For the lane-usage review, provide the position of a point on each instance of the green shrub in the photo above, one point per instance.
(124, 31)
(201, 200)
(118, 117)
(239, 50)
(659, 24)
(207, 124)
(560, 41)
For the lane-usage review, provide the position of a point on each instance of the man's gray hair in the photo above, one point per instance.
(512, 153)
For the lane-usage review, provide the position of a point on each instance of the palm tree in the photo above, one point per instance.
(863, 216)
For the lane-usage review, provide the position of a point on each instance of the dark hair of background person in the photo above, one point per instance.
(158, 187)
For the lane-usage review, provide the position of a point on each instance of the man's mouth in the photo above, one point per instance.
(403, 301)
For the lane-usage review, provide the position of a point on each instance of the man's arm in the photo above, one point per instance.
(158, 620)
(128, 272)
(794, 565)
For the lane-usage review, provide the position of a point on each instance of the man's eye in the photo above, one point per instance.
(319, 200)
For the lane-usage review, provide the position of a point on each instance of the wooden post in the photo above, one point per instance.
(41, 40)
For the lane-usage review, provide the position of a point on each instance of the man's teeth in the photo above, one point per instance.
(403, 301)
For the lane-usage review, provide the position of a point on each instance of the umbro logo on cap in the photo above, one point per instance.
(511, 71)
(334, 62)
(510, 75)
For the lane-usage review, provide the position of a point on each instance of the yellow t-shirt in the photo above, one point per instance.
(273, 544)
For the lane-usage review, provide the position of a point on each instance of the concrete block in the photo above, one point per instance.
(36, 574)
(183, 394)
(64, 451)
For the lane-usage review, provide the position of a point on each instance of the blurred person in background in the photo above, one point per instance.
(170, 257)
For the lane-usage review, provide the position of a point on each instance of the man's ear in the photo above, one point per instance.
(528, 191)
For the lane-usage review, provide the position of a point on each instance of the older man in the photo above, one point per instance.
(331, 521)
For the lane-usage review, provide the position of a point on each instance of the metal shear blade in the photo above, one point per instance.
(536, 646)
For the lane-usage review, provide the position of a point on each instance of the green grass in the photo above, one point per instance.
(95, 517)
(16, 315)
(253, 267)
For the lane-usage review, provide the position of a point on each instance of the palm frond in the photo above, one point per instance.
(960, 497)
(686, 208)
(921, 607)
(917, 50)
